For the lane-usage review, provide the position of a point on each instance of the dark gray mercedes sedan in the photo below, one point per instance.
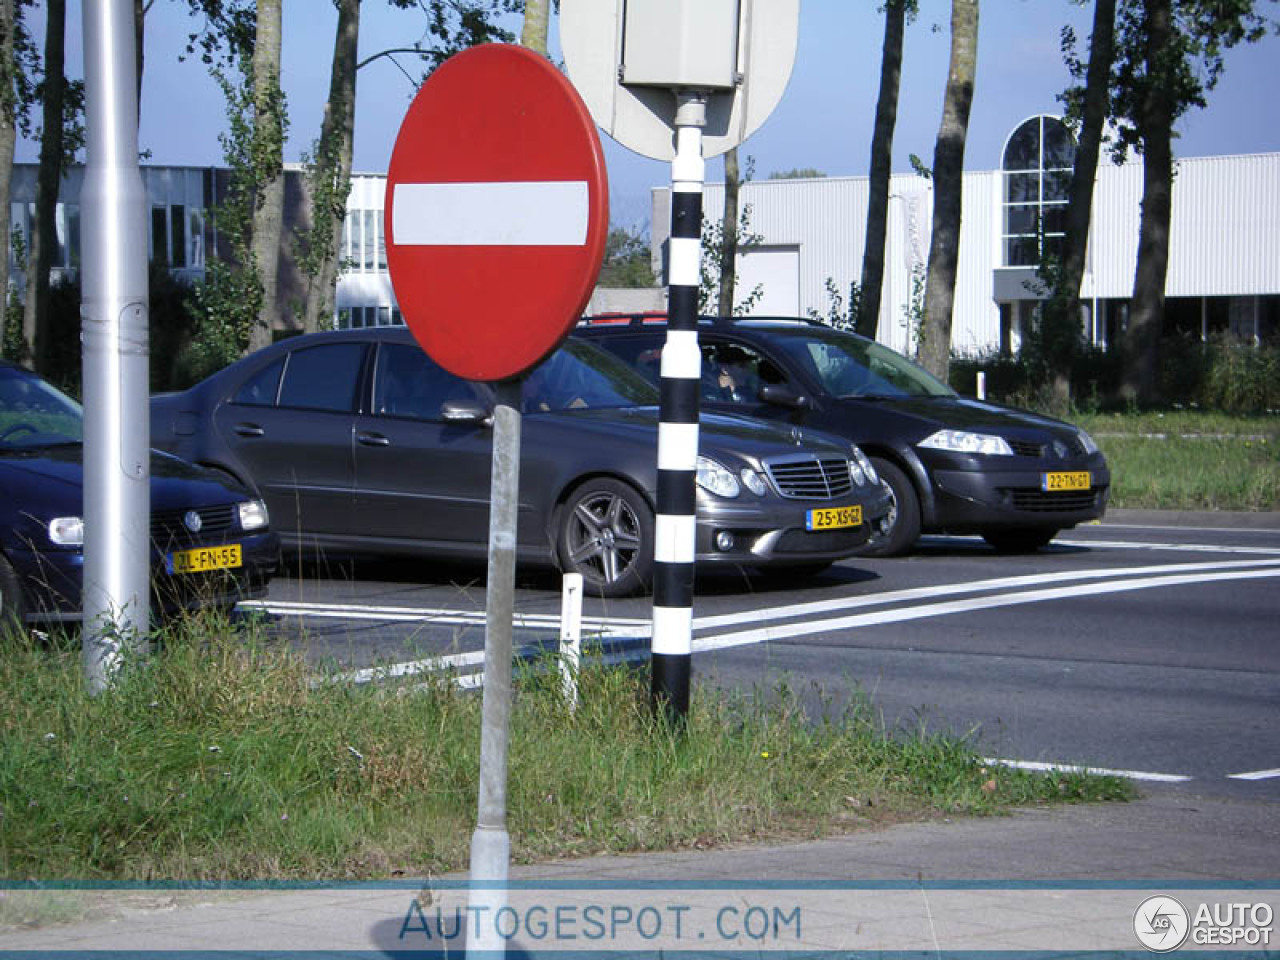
(361, 445)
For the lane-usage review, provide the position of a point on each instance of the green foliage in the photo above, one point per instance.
(841, 313)
(913, 311)
(227, 302)
(713, 248)
(1224, 375)
(626, 260)
(1203, 30)
(224, 757)
(17, 87)
(799, 173)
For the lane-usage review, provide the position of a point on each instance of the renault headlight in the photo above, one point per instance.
(962, 441)
(1086, 441)
(714, 478)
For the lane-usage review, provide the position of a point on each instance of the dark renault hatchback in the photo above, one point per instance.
(954, 465)
(211, 543)
(361, 445)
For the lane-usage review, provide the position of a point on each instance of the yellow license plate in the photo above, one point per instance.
(831, 518)
(1068, 480)
(202, 559)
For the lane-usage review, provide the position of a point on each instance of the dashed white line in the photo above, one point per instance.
(1038, 766)
(1256, 775)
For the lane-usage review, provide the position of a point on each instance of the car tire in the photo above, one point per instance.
(1019, 541)
(13, 610)
(901, 528)
(606, 533)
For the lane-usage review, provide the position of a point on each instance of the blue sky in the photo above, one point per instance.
(823, 122)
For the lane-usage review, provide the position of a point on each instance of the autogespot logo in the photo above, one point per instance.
(1161, 924)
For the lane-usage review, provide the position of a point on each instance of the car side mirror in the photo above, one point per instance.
(454, 411)
(781, 396)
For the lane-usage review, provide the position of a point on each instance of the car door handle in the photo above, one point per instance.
(249, 430)
(373, 440)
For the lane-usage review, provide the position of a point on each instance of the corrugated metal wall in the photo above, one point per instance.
(1224, 238)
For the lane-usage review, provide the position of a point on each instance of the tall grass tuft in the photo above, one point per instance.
(222, 757)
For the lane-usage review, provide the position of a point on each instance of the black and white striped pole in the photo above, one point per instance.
(674, 537)
(727, 62)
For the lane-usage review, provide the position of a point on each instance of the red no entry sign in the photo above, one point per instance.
(496, 211)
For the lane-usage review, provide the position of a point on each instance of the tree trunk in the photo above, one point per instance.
(895, 17)
(729, 225)
(1146, 314)
(44, 234)
(331, 177)
(139, 35)
(536, 20)
(268, 134)
(8, 139)
(1061, 312)
(948, 182)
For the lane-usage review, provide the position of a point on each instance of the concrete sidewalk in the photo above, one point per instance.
(1064, 878)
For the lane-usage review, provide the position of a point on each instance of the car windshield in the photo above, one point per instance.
(34, 413)
(580, 376)
(848, 366)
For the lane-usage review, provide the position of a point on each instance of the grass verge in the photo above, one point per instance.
(1185, 460)
(220, 758)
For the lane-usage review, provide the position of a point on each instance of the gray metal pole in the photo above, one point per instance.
(491, 844)
(114, 345)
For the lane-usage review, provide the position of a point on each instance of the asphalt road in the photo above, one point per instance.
(1148, 645)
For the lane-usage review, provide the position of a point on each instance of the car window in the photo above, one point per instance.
(34, 413)
(734, 373)
(407, 383)
(322, 378)
(847, 366)
(642, 353)
(580, 376)
(261, 388)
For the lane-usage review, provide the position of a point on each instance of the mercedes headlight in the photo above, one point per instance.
(864, 462)
(714, 478)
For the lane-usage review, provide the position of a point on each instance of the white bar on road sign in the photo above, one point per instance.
(534, 214)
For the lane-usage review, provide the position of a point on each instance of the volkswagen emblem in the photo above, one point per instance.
(191, 520)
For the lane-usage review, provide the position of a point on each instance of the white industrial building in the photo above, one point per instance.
(1224, 264)
(1224, 257)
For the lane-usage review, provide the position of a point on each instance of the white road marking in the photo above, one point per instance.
(954, 589)
(904, 614)
(1176, 547)
(608, 627)
(1037, 766)
(1256, 775)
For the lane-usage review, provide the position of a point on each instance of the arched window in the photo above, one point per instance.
(1037, 162)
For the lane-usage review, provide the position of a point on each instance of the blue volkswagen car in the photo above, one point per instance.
(211, 538)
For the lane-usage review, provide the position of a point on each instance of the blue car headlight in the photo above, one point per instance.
(67, 531)
(253, 515)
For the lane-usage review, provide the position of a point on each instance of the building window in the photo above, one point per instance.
(1037, 163)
